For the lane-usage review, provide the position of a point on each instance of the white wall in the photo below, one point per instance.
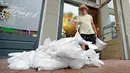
(126, 12)
(49, 27)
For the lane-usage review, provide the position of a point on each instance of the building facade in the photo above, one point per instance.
(110, 18)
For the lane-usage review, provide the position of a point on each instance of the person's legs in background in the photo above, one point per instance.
(88, 37)
(93, 40)
(83, 45)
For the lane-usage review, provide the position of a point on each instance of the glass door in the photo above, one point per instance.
(70, 12)
(110, 31)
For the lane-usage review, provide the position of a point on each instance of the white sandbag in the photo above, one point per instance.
(40, 54)
(48, 45)
(74, 63)
(49, 64)
(96, 62)
(100, 44)
(12, 59)
(14, 54)
(71, 54)
(47, 41)
(19, 65)
(65, 50)
(20, 62)
(15, 57)
(93, 58)
(45, 45)
(44, 61)
(91, 53)
(70, 46)
(53, 45)
(87, 61)
(69, 50)
(31, 56)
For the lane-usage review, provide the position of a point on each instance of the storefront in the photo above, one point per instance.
(28, 23)
(20, 22)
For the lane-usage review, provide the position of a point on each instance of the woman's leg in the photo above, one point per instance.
(91, 38)
(83, 45)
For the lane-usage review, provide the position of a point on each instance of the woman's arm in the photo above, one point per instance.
(94, 28)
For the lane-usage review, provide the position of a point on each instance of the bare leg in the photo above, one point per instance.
(83, 46)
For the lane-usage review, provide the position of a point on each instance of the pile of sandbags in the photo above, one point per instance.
(56, 54)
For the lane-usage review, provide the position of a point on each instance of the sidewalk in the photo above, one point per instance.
(111, 66)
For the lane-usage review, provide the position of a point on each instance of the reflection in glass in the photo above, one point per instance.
(68, 27)
(109, 29)
(110, 4)
(20, 17)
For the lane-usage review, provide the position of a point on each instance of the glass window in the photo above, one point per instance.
(70, 13)
(110, 4)
(109, 23)
(111, 18)
(110, 29)
(20, 17)
(71, 8)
